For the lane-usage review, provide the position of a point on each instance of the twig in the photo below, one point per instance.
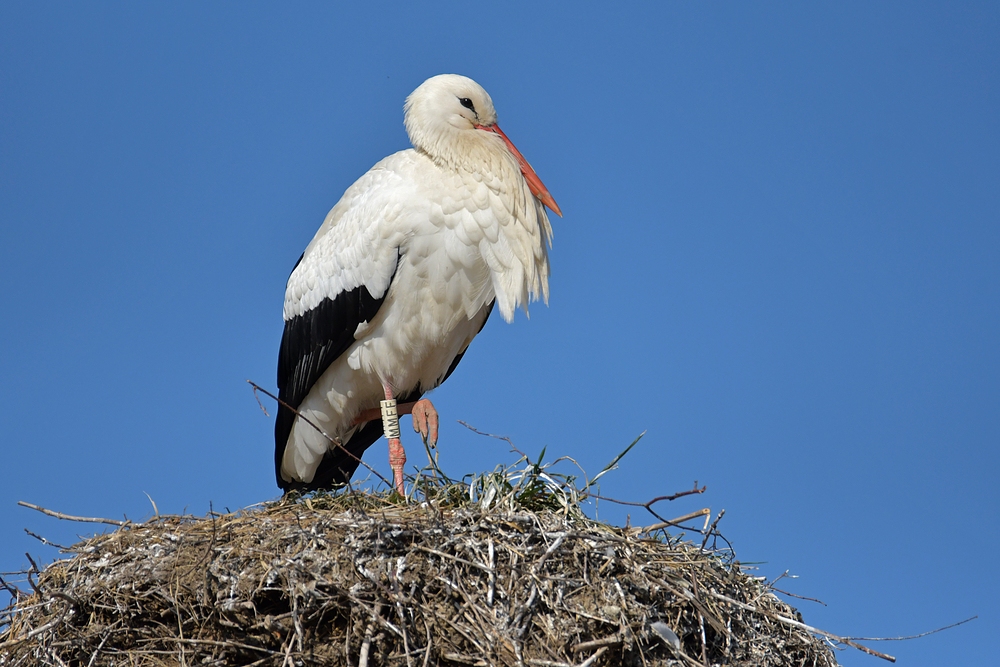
(491, 435)
(70, 517)
(432, 460)
(260, 404)
(427, 647)
(648, 506)
(922, 634)
(803, 597)
(93, 656)
(673, 522)
(156, 511)
(458, 657)
(12, 590)
(396, 575)
(45, 541)
(597, 654)
(34, 570)
(287, 660)
(442, 554)
(781, 576)
(366, 644)
(257, 387)
(701, 619)
(180, 625)
(548, 552)
(803, 626)
(711, 529)
(597, 643)
(492, 573)
(214, 642)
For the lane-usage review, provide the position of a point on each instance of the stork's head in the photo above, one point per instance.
(451, 118)
(442, 109)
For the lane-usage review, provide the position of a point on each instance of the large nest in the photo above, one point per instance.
(497, 571)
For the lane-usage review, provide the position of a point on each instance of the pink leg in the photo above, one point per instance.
(397, 455)
(425, 418)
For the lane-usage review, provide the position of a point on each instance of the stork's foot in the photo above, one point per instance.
(425, 421)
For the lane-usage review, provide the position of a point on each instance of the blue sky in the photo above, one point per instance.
(780, 257)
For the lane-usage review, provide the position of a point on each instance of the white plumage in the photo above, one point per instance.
(400, 278)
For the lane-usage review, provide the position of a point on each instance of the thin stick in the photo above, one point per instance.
(803, 597)
(492, 573)
(649, 505)
(491, 435)
(257, 387)
(715, 524)
(214, 642)
(12, 590)
(701, 620)
(287, 661)
(156, 510)
(93, 656)
(34, 570)
(366, 644)
(402, 616)
(922, 634)
(45, 541)
(427, 647)
(260, 403)
(673, 522)
(803, 626)
(590, 661)
(597, 643)
(70, 517)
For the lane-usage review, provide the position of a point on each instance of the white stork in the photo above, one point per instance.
(399, 279)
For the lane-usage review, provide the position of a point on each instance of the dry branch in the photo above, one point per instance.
(70, 517)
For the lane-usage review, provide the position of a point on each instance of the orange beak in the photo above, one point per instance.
(534, 183)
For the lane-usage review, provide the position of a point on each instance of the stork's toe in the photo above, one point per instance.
(425, 421)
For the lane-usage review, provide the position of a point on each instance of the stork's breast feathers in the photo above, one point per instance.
(484, 224)
(514, 247)
(509, 229)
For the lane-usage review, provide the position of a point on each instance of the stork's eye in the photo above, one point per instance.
(467, 103)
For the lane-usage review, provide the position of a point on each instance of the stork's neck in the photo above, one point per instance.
(469, 151)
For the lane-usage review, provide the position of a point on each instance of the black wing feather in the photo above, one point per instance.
(309, 344)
